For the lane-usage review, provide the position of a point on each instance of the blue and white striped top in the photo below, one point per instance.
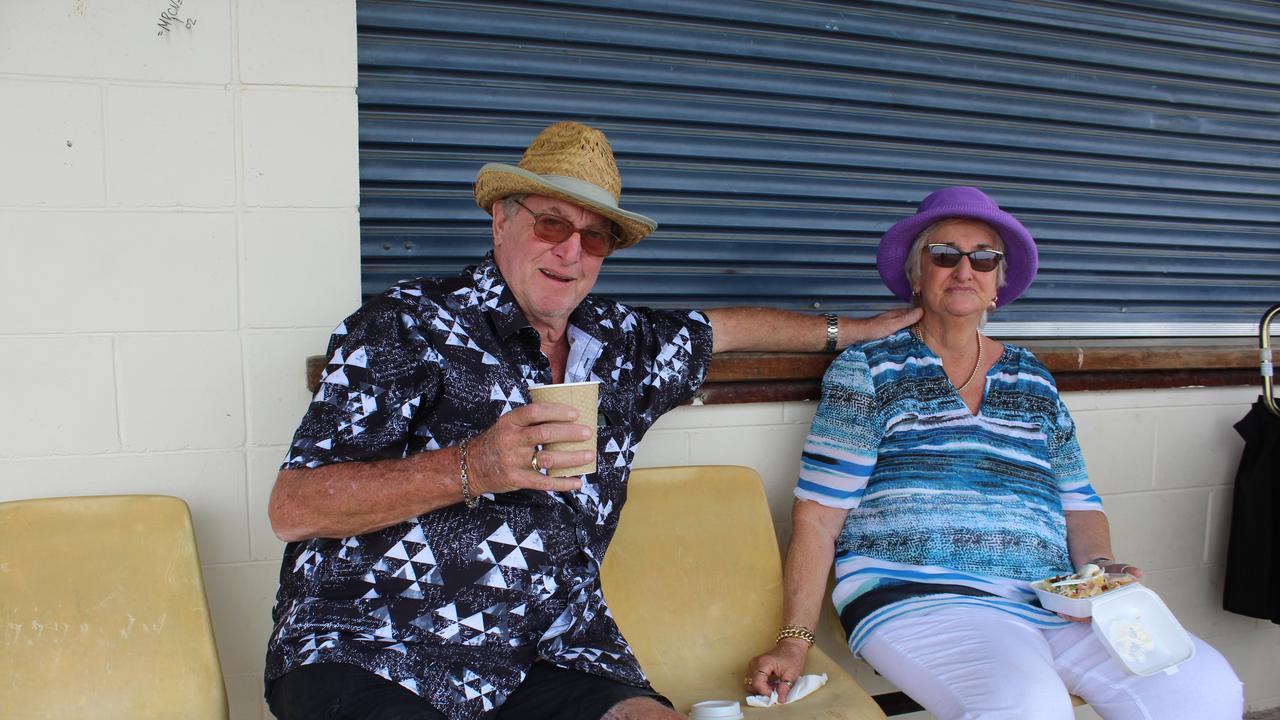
(945, 507)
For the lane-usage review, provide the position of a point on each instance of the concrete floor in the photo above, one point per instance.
(1272, 714)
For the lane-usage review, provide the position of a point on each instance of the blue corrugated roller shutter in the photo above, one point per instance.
(775, 141)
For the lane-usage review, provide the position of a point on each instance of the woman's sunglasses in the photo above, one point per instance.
(555, 230)
(945, 256)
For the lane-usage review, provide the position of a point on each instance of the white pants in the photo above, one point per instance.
(963, 663)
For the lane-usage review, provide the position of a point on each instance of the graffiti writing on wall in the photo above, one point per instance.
(169, 18)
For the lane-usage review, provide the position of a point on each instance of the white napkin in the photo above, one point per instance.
(804, 686)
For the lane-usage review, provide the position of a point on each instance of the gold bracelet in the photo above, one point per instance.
(471, 502)
(796, 631)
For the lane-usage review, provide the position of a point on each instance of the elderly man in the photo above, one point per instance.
(432, 569)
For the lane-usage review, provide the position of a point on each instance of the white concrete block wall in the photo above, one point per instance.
(1163, 460)
(178, 214)
(179, 226)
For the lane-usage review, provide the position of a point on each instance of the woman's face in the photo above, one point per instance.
(958, 292)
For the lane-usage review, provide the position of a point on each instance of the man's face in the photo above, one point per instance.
(548, 280)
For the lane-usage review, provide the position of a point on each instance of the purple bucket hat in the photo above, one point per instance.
(1020, 256)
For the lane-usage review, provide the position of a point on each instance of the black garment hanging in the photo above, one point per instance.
(1253, 555)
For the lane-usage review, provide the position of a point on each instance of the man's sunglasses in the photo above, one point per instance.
(945, 256)
(555, 230)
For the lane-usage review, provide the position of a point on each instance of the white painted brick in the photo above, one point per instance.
(170, 146)
(1159, 530)
(274, 51)
(1218, 532)
(52, 149)
(116, 39)
(277, 381)
(109, 271)
(300, 148)
(244, 695)
(1196, 446)
(1153, 398)
(799, 412)
(1253, 656)
(661, 448)
(301, 267)
(60, 397)
(264, 463)
(690, 417)
(212, 484)
(240, 600)
(1119, 448)
(180, 391)
(1194, 595)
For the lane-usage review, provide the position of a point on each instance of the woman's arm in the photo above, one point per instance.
(804, 579)
(1089, 541)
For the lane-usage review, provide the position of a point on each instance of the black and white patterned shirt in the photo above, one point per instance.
(457, 604)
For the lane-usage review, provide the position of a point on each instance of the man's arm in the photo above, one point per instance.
(351, 498)
(767, 329)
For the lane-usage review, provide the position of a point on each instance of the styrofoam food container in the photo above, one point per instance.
(1139, 631)
(1075, 607)
(716, 710)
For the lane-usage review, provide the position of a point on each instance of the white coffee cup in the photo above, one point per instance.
(716, 710)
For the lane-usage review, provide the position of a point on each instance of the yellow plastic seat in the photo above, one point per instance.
(694, 580)
(103, 612)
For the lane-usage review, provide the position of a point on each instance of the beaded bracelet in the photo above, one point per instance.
(796, 631)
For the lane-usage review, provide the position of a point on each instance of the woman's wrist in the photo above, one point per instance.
(796, 633)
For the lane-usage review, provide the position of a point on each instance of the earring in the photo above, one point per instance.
(992, 306)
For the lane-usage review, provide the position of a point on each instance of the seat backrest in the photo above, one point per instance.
(693, 577)
(104, 612)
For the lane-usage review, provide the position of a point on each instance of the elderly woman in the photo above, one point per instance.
(942, 475)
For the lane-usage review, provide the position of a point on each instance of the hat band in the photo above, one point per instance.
(589, 191)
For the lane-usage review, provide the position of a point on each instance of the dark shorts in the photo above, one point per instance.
(331, 691)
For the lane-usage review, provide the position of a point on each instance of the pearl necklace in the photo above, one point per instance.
(974, 373)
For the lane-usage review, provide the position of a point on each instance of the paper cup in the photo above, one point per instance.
(585, 396)
(716, 710)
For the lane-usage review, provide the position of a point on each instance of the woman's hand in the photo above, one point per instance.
(1122, 569)
(777, 669)
(1115, 568)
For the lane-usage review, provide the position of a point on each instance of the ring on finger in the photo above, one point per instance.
(533, 462)
(785, 682)
(761, 672)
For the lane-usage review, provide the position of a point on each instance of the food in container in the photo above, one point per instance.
(1073, 594)
(1129, 618)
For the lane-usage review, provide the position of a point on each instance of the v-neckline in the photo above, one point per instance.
(955, 392)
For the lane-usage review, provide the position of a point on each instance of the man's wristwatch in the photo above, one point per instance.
(833, 332)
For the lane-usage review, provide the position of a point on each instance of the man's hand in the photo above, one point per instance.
(500, 459)
(854, 330)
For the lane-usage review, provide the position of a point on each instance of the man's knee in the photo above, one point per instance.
(640, 708)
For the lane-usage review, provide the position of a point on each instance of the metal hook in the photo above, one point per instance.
(1264, 355)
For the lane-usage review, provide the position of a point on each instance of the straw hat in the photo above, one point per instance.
(572, 162)
(1020, 255)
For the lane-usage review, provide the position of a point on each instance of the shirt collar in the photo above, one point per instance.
(505, 313)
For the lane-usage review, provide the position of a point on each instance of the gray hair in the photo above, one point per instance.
(511, 205)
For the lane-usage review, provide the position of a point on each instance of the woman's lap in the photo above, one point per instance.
(982, 663)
